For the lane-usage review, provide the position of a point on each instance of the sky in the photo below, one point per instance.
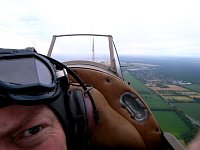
(138, 27)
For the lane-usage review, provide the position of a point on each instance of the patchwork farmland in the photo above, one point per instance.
(175, 103)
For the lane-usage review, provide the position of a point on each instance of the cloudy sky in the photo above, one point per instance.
(150, 27)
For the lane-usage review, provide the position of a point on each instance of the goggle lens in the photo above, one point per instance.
(27, 78)
(24, 71)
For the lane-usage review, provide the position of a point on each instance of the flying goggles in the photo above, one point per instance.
(28, 78)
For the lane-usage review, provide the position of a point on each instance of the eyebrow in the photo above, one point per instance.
(20, 124)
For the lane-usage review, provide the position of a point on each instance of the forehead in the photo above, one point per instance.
(19, 110)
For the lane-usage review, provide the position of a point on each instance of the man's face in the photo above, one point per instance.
(30, 127)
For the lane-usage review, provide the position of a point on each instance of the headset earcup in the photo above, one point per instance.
(78, 130)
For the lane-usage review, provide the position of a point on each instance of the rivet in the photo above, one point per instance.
(107, 80)
(157, 129)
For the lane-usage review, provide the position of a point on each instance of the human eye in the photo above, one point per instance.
(32, 131)
(31, 137)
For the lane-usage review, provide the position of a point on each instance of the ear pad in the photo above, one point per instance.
(78, 108)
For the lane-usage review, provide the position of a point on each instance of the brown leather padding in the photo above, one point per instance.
(113, 131)
(116, 129)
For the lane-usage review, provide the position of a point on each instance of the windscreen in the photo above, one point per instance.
(88, 48)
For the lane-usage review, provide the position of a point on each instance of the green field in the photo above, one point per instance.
(178, 98)
(170, 122)
(191, 109)
(152, 100)
(193, 87)
(165, 114)
(169, 111)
